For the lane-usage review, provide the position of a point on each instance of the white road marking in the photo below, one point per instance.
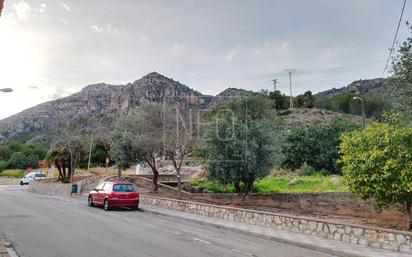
(149, 225)
(203, 241)
(242, 252)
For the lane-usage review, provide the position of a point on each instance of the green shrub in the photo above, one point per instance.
(306, 170)
(318, 146)
(377, 164)
(3, 165)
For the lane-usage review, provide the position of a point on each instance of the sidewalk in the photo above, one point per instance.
(314, 243)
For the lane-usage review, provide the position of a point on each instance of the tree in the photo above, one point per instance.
(280, 101)
(139, 137)
(179, 137)
(18, 160)
(402, 77)
(377, 164)
(306, 100)
(239, 143)
(66, 152)
(318, 146)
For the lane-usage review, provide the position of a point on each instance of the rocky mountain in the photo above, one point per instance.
(97, 107)
(367, 88)
(226, 95)
(100, 104)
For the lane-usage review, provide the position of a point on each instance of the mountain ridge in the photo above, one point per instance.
(102, 98)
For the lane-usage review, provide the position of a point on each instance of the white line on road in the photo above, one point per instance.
(242, 252)
(200, 240)
(149, 225)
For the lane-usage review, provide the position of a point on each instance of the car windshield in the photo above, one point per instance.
(124, 188)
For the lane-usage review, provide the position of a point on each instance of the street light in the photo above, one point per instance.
(6, 90)
(363, 109)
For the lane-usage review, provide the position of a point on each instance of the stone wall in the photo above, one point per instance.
(46, 187)
(394, 240)
(335, 203)
(50, 188)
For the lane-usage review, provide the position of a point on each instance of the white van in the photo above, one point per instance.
(32, 176)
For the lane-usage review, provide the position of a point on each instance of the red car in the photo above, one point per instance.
(114, 194)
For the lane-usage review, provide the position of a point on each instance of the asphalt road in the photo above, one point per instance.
(49, 226)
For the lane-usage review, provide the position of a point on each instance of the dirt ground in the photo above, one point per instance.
(206, 198)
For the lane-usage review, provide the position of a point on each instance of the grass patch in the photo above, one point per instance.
(270, 184)
(12, 173)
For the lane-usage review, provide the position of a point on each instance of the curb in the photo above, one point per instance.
(271, 238)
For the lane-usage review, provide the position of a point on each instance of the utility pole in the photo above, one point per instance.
(90, 150)
(290, 71)
(363, 110)
(275, 81)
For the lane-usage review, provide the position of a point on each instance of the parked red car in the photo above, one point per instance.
(114, 194)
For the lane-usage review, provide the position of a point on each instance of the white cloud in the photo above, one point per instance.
(42, 7)
(96, 28)
(23, 10)
(65, 6)
(284, 45)
(144, 39)
(63, 20)
(230, 55)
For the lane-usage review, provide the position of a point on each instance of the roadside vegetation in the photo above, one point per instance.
(271, 184)
(12, 173)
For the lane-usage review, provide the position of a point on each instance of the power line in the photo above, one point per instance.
(394, 39)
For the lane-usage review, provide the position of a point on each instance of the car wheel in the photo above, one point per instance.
(21, 183)
(106, 205)
(135, 208)
(90, 201)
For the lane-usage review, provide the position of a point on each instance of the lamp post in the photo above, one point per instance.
(363, 109)
(6, 90)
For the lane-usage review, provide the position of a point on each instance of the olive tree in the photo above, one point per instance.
(377, 163)
(240, 143)
(139, 137)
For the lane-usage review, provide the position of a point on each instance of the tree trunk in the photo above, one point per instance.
(409, 213)
(249, 188)
(64, 171)
(238, 189)
(59, 168)
(179, 182)
(119, 173)
(70, 171)
(178, 168)
(155, 178)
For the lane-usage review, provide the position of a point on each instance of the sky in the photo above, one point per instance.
(52, 48)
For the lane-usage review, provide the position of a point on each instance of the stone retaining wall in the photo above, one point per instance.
(394, 240)
(58, 188)
(334, 203)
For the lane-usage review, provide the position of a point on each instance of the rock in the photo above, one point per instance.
(335, 180)
(293, 182)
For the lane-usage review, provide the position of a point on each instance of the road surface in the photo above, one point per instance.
(54, 226)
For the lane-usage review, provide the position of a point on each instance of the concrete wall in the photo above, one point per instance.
(394, 240)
